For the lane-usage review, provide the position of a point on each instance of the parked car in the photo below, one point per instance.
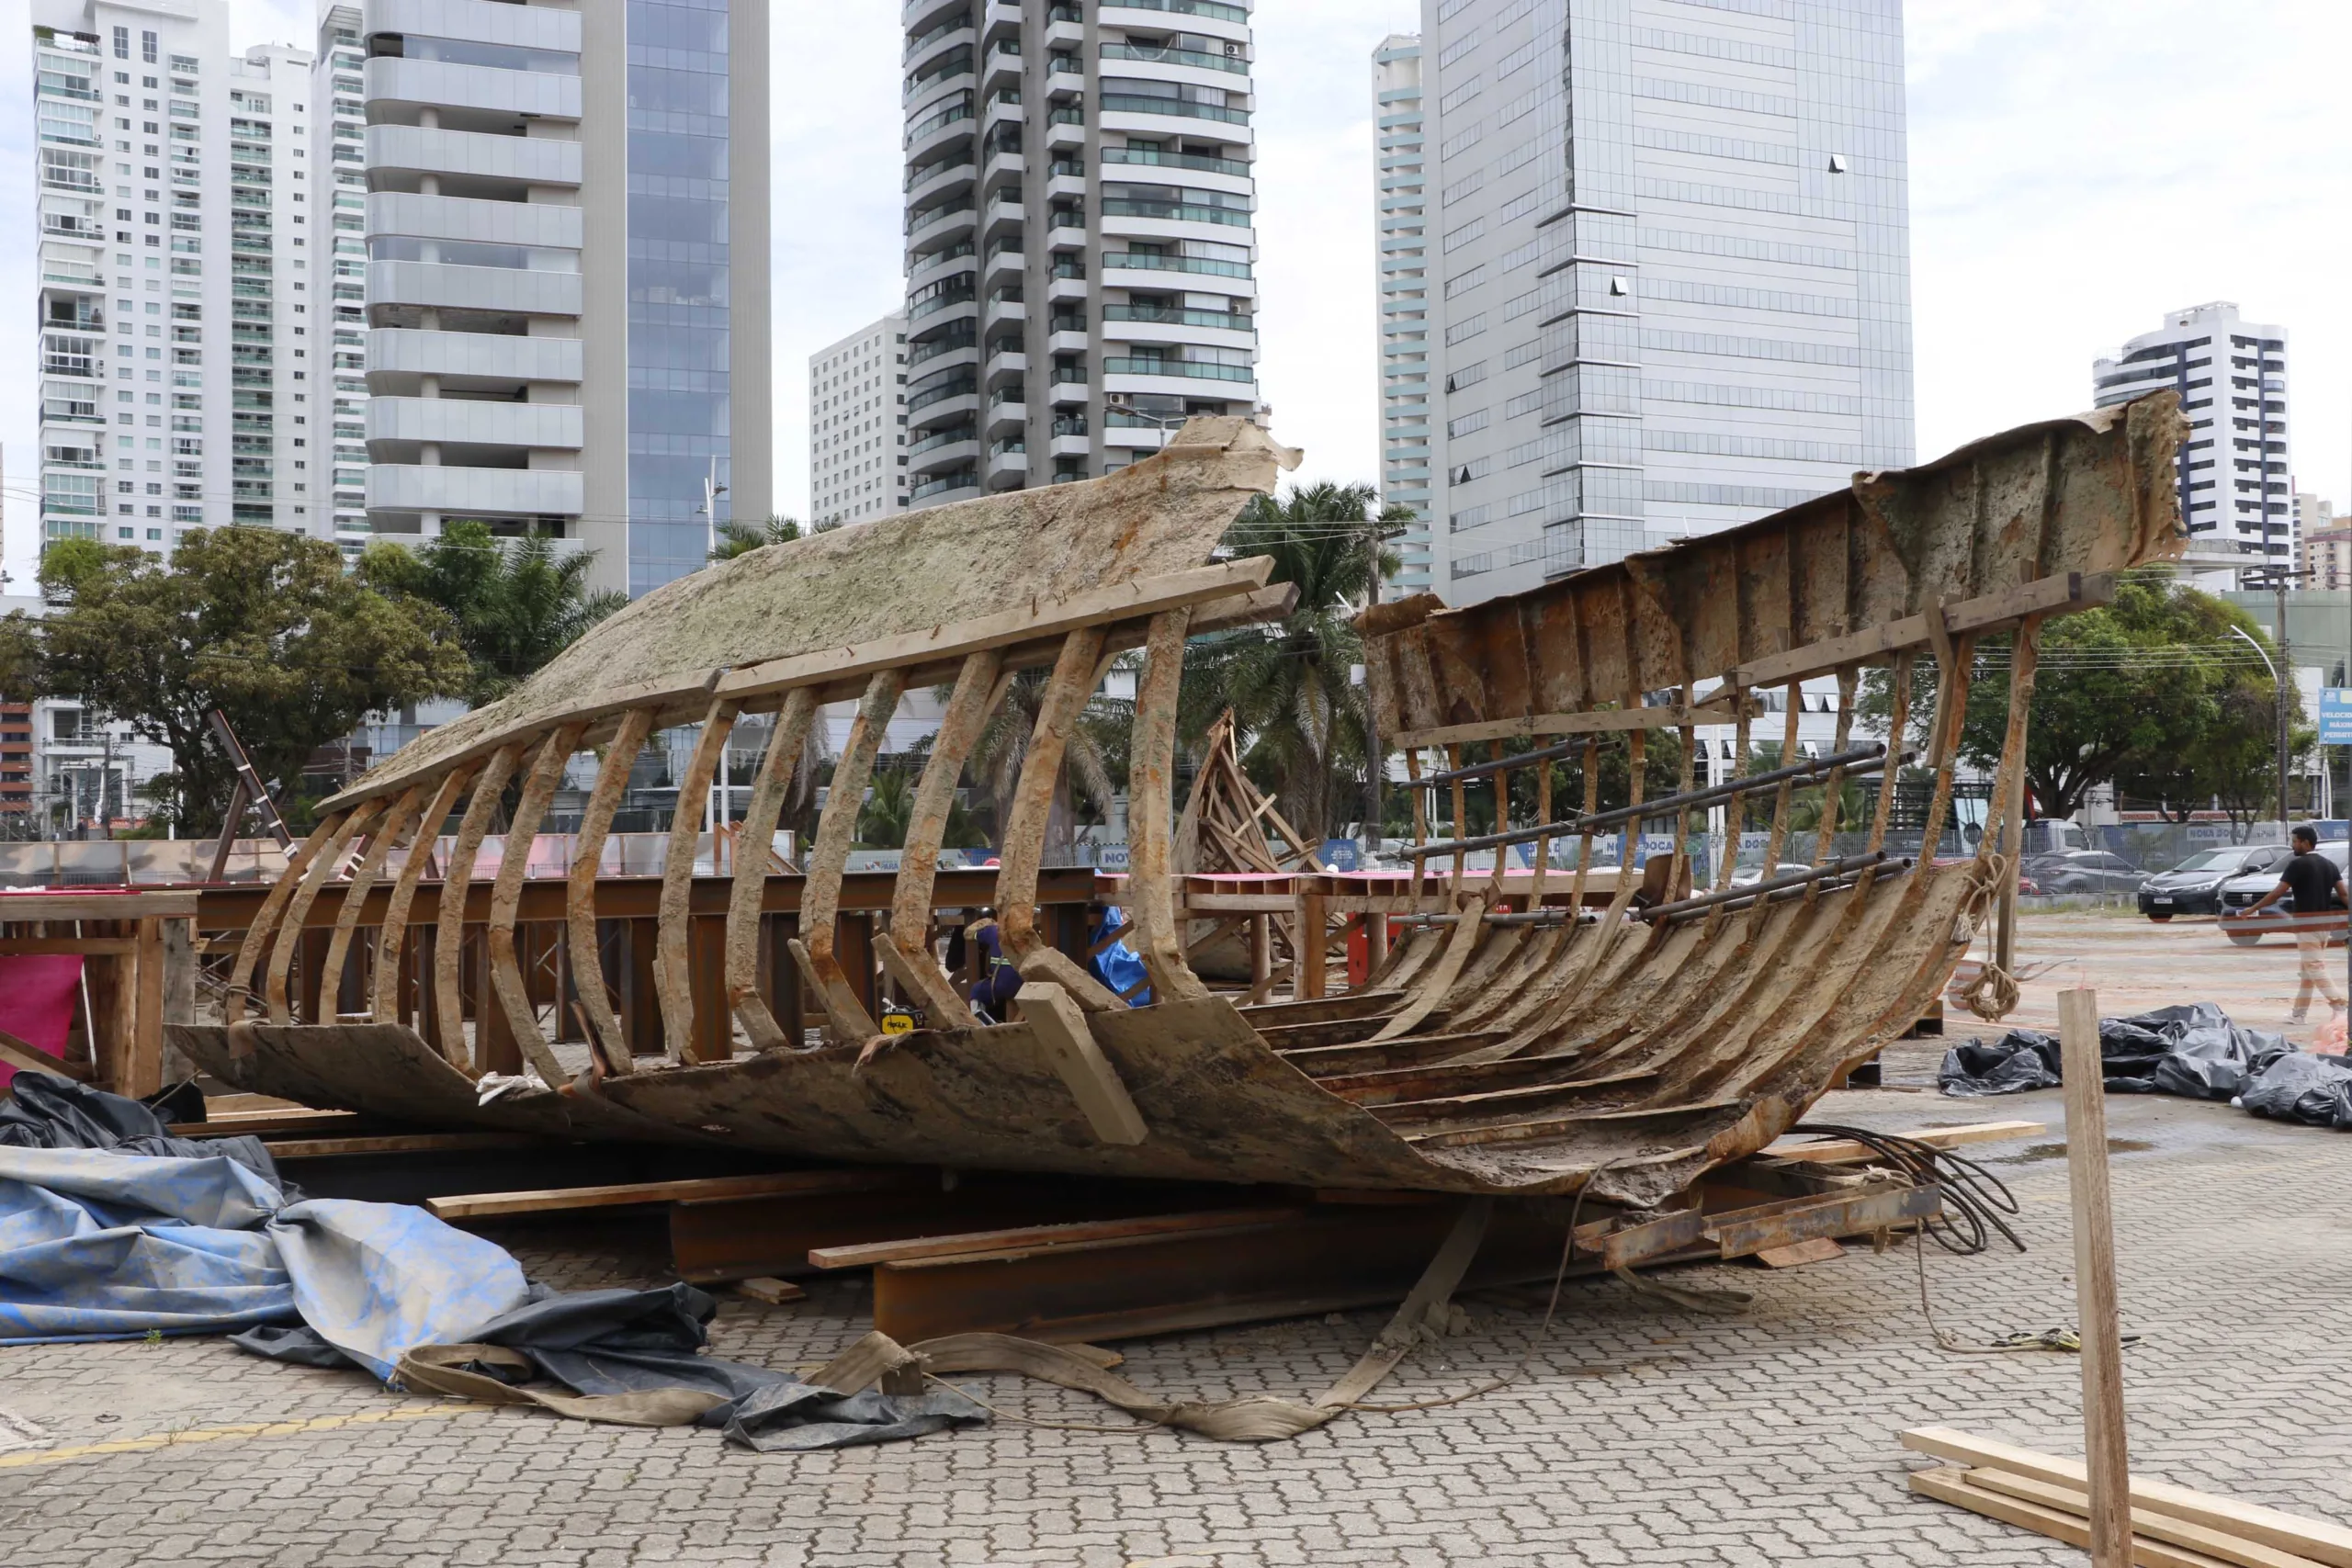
(2084, 871)
(2194, 886)
(2240, 891)
(1749, 875)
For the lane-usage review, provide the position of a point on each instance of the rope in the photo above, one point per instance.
(1994, 994)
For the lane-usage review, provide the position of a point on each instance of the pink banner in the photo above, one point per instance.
(36, 1000)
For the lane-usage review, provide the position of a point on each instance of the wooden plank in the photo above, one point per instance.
(264, 1123)
(20, 1054)
(1844, 1151)
(403, 1143)
(1796, 1254)
(62, 946)
(1024, 1239)
(2155, 1526)
(773, 1293)
(2048, 595)
(1060, 1027)
(1199, 906)
(16, 907)
(1716, 709)
(143, 1070)
(2094, 1295)
(2315, 1538)
(810, 1183)
(1952, 1487)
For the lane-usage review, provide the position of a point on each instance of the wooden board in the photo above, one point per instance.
(2155, 1526)
(1952, 1487)
(486, 1205)
(2314, 1538)
(402, 1143)
(1796, 1254)
(1844, 1151)
(1028, 1238)
(265, 1123)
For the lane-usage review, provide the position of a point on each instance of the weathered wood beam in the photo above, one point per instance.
(604, 1030)
(1151, 773)
(753, 843)
(1024, 833)
(845, 1010)
(290, 936)
(449, 929)
(905, 947)
(385, 1001)
(507, 984)
(672, 974)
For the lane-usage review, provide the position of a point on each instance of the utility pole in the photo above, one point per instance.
(2279, 578)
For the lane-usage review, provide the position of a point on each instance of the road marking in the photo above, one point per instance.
(252, 1429)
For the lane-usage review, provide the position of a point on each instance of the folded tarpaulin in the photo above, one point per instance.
(100, 1244)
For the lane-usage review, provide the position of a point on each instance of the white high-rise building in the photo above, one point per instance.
(179, 343)
(1669, 277)
(857, 426)
(1400, 204)
(566, 290)
(1080, 246)
(339, 268)
(2236, 484)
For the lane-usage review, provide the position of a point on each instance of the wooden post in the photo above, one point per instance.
(713, 1039)
(1310, 983)
(2103, 1434)
(143, 1073)
(1261, 956)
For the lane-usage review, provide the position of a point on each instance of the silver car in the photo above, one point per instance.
(2240, 892)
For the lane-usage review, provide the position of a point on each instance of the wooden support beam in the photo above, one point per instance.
(1023, 832)
(2075, 1501)
(2317, 1539)
(391, 937)
(846, 999)
(580, 889)
(672, 974)
(449, 931)
(786, 741)
(1846, 1151)
(2096, 1311)
(510, 989)
(1060, 1027)
(1954, 1487)
(623, 1194)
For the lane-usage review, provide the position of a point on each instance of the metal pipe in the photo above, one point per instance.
(1525, 759)
(1859, 764)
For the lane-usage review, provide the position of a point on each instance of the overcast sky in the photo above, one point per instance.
(2078, 167)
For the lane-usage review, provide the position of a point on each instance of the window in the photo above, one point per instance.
(121, 47)
(147, 50)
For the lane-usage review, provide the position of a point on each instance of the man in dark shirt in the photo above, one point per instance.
(2314, 881)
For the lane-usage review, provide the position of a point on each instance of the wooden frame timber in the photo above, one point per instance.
(1616, 1032)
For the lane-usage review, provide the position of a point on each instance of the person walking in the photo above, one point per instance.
(2316, 883)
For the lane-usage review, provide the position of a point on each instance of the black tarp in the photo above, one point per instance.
(45, 1111)
(2194, 1051)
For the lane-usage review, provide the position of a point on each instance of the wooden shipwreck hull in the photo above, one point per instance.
(1509, 1044)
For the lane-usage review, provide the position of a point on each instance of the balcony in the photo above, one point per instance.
(1198, 161)
(505, 290)
(1188, 370)
(936, 129)
(401, 487)
(432, 83)
(399, 351)
(541, 225)
(482, 21)
(1170, 109)
(1197, 59)
(476, 423)
(935, 223)
(533, 159)
(1151, 315)
(1139, 260)
(1207, 10)
(947, 484)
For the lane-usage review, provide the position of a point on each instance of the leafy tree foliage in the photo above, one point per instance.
(266, 626)
(738, 537)
(1304, 725)
(516, 602)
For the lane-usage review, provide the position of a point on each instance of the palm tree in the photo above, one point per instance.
(1305, 723)
(738, 537)
(889, 803)
(1003, 746)
(518, 601)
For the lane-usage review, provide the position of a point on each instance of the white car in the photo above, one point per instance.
(1749, 875)
(2240, 892)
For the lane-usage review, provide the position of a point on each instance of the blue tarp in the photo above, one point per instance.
(97, 1244)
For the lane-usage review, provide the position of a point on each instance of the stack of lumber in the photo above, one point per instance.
(2172, 1527)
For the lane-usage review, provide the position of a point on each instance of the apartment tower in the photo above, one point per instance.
(1667, 265)
(1400, 206)
(178, 341)
(1081, 249)
(567, 287)
(857, 426)
(2235, 473)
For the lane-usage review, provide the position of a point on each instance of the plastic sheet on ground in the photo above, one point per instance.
(2193, 1051)
(102, 1242)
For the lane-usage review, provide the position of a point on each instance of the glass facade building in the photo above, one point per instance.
(679, 411)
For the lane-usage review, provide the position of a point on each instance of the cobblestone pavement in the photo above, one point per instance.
(1638, 1433)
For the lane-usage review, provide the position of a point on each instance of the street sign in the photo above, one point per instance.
(2335, 716)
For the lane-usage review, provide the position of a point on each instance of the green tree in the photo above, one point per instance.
(2235, 758)
(890, 804)
(266, 625)
(738, 536)
(2122, 695)
(1003, 747)
(1304, 725)
(517, 603)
